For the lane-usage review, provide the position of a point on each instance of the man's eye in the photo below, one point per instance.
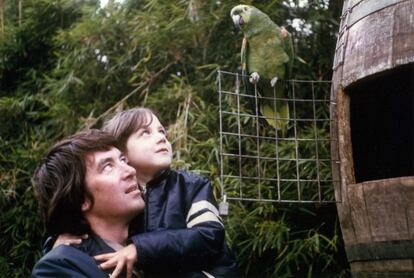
(124, 159)
(107, 168)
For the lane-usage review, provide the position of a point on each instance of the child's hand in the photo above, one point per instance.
(126, 256)
(68, 239)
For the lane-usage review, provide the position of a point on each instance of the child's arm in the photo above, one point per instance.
(124, 258)
(192, 248)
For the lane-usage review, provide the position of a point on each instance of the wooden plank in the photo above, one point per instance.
(377, 267)
(379, 41)
(403, 34)
(387, 203)
(359, 214)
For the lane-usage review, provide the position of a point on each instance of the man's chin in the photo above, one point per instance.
(139, 206)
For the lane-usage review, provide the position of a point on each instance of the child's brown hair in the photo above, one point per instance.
(126, 122)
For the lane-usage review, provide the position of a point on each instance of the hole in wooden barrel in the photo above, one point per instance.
(382, 125)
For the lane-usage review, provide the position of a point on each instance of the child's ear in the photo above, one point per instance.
(86, 205)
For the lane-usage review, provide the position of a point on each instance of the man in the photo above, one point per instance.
(85, 186)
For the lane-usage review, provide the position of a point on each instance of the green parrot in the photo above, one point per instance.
(266, 56)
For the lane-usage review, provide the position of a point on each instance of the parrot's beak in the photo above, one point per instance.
(237, 20)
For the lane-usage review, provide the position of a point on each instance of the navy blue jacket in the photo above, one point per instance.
(73, 261)
(182, 233)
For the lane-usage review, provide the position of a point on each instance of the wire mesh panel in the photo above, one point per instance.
(259, 162)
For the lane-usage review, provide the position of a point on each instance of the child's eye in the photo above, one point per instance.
(145, 132)
(162, 130)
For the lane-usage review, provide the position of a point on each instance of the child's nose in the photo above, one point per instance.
(161, 138)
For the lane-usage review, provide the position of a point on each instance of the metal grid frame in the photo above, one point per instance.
(249, 139)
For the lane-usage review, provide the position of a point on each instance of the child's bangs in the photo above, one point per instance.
(143, 119)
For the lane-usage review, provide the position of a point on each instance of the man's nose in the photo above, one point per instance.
(128, 171)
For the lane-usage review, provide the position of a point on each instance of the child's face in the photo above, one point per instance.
(148, 149)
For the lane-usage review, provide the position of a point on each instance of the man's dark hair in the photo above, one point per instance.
(59, 181)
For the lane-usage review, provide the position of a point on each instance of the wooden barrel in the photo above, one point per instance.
(372, 130)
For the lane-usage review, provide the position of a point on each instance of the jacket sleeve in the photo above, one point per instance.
(66, 261)
(190, 248)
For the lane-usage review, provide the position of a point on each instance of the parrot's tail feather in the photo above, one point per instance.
(269, 115)
(279, 120)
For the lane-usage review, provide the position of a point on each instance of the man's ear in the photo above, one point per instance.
(86, 205)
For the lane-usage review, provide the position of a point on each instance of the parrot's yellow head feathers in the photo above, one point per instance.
(245, 16)
(240, 15)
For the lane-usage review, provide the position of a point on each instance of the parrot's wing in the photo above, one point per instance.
(288, 48)
(249, 87)
(245, 68)
(244, 56)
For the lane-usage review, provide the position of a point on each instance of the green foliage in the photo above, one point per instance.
(286, 240)
(23, 140)
(27, 48)
(70, 62)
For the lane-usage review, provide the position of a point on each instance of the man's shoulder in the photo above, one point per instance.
(63, 251)
(66, 260)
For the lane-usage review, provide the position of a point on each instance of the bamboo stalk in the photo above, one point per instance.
(2, 17)
(113, 108)
(20, 12)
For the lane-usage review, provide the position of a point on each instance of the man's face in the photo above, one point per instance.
(113, 186)
(148, 149)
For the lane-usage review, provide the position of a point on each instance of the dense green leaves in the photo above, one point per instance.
(70, 62)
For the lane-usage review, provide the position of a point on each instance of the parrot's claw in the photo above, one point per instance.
(254, 78)
(273, 81)
(284, 33)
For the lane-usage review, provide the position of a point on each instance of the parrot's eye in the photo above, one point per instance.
(245, 9)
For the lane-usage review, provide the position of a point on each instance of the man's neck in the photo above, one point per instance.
(143, 179)
(110, 231)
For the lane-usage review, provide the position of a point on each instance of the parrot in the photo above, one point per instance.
(266, 57)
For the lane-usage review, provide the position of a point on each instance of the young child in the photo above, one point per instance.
(182, 233)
